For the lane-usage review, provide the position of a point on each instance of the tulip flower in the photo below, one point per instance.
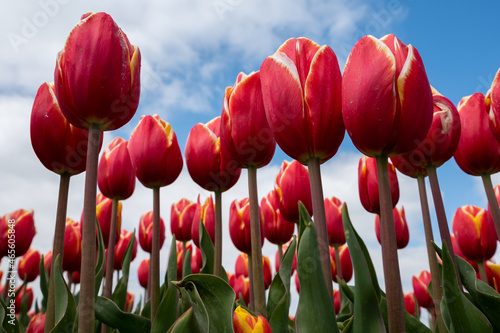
(36, 324)
(345, 263)
(72, 257)
(421, 289)
(459, 253)
(129, 302)
(196, 259)
(494, 112)
(181, 219)
(277, 229)
(244, 322)
(411, 304)
(277, 262)
(407, 168)
(146, 231)
(231, 278)
(75, 277)
(475, 235)
(116, 175)
(206, 214)
(400, 225)
(495, 275)
(239, 225)
(292, 185)
(368, 184)
(241, 286)
(18, 222)
(28, 266)
(241, 268)
(47, 261)
(121, 248)
(104, 216)
(143, 273)
(24, 297)
(335, 227)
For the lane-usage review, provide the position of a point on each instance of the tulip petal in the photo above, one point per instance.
(494, 113)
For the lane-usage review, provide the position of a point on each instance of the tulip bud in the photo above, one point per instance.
(29, 265)
(36, 324)
(24, 298)
(72, 254)
(241, 268)
(239, 225)
(248, 143)
(494, 112)
(116, 175)
(421, 289)
(206, 164)
(345, 262)
(196, 259)
(181, 219)
(60, 146)
(104, 215)
(97, 76)
(146, 231)
(334, 224)
(14, 224)
(292, 185)
(368, 184)
(242, 286)
(244, 322)
(410, 304)
(154, 152)
(301, 86)
(386, 97)
(277, 262)
(277, 229)
(47, 262)
(231, 278)
(129, 302)
(75, 276)
(400, 225)
(475, 233)
(456, 250)
(206, 214)
(478, 151)
(121, 248)
(143, 273)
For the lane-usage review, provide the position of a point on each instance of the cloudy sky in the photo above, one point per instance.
(191, 50)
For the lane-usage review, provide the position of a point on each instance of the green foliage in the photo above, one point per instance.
(120, 293)
(207, 250)
(108, 312)
(65, 307)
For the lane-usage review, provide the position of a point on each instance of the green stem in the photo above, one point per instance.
(110, 261)
(444, 231)
(218, 234)
(482, 272)
(251, 301)
(87, 284)
(57, 246)
(492, 201)
(318, 203)
(394, 290)
(258, 270)
(431, 253)
(155, 255)
(280, 253)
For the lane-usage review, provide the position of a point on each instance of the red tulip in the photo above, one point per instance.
(121, 248)
(242, 286)
(421, 289)
(410, 303)
(154, 152)
(181, 219)
(345, 262)
(443, 137)
(104, 216)
(60, 146)
(292, 185)
(206, 214)
(297, 282)
(24, 297)
(474, 233)
(47, 261)
(206, 164)
(459, 253)
(72, 255)
(196, 259)
(334, 224)
(146, 231)
(400, 225)
(37, 323)
(97, 76)
(301, 85)
(231, 278)
(29, 265)
(129, 302)
(75, 276)
(116, 176)
(239, 225)
(277, 262)
(494, 271)
(496, 189)
(248, 143)
(407, 168)
(277, 229)
(386, 97)
(241, 268)
(494, 113)
(143, 273)
(368, 184)
(17, 230)
(478, 151)
(244, 322)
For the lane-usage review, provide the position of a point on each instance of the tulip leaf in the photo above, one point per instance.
(120, 293)
(367, 316)
(101, 259)
(212, 301)
(108, 312)
(171, 274)
(65, 307)
(315, 311)
(183, 323)
(146, 311)
(8, 318)
(278, 304)
(207, 250)
(167, 310)
(186, 265)
(459, 313)
(44, 283)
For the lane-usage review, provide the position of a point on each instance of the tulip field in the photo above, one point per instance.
(322, 277)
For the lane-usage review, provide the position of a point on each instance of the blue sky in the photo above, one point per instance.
(192, 50)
